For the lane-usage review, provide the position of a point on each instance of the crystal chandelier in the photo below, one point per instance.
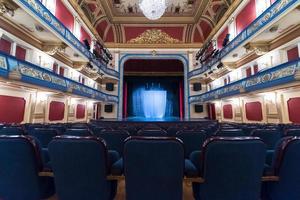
(153, 9)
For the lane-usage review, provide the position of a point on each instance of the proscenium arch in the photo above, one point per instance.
(180, 57)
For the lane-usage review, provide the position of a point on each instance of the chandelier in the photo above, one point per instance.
(153, 9)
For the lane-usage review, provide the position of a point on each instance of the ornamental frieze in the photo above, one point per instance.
(154, 36)
(259, 80)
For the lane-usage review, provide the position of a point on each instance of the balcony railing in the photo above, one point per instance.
(273, 12)
(42, 13)
(12, 68)
(282, 74)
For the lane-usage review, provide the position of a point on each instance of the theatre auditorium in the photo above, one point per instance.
(149, 99)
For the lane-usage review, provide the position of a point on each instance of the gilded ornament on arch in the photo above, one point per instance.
(154, 36)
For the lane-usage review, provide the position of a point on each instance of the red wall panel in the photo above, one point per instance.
(5, 45)
(20, 53)
(222, 37)
(64, 15)
(80, 111)
(294, 109)
(84, 35)
(227, 111)
(293, 54)
(12, 109)
(246, 16)
(254, 111)
(248, 72)
(56, 111)
(62, 71)
(110, 35)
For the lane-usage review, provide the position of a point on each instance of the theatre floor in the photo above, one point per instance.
(187, 192)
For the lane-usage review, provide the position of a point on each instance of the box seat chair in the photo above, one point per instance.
(153, 168)
(230, 133)
(78, 132)
(286, 165)
(152, 133)
(20, 163)
(232, 168)
(80, 166)
(12, 131)
(193, 141)
(292, 132)
(270, 137)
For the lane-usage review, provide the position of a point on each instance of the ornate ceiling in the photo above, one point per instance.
(185, 22)
(175, 7)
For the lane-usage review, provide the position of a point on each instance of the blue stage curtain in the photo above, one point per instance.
(152, 97)
(154, 103)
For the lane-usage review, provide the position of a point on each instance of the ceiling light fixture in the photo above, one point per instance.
(153, 9)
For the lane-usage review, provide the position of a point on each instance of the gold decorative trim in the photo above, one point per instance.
(154, 36)
(260, 48)
(52, 48)
(8, 6)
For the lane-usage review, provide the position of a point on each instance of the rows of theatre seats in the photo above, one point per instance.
(85, 161)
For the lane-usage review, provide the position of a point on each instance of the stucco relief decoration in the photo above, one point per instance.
(3, 63)
(154, 36)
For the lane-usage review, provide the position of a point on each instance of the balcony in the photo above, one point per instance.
(279, 75)
(274, 12)
(41, 13)
(15, 69)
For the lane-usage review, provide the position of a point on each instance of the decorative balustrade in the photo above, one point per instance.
(12, 68)
(273, 12)
(282, 74)
(42, 13)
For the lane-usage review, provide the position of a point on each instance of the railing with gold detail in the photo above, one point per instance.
(47, 18)
(273, 12)
(12, 68)
(284, 73)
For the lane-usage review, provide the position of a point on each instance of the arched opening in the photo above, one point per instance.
(153, 89)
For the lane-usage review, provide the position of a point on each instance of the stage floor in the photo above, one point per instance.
(143, 119)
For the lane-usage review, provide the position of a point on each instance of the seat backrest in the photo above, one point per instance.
(80, 167)
(192, 140)
(286, 165)
(269, 136)
(11, 131)
(230, 133)
(19, 166)
(78, 132)
(153, 168)
(232, 168)
(43, 135)
(292, 132)
(172, 131)
(114, 139)
(152, 133)
(60, 128)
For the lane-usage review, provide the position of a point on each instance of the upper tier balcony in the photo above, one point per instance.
(18, 70)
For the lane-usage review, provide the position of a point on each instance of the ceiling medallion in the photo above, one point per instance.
(154, 36)
(153, 9)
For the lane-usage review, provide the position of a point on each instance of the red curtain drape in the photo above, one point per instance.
(125, 93)
(181, 112)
